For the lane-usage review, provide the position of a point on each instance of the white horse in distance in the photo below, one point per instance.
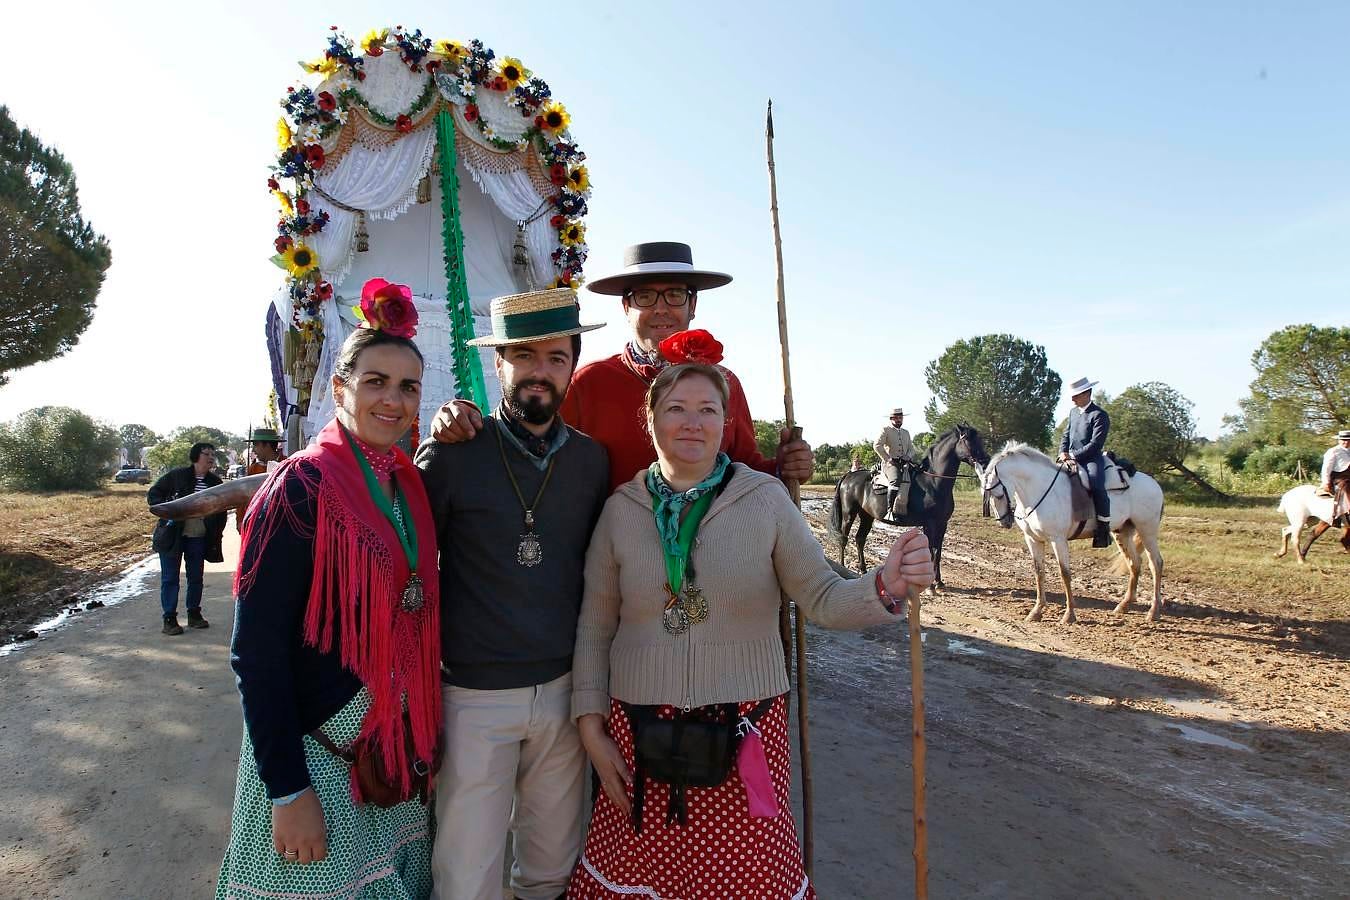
(1299, 505)
(1031, 489)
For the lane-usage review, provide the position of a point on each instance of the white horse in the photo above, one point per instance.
(1299, 505)
(1030, 488)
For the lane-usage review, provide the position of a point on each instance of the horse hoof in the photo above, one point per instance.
(1067, 620)
(1033, 617)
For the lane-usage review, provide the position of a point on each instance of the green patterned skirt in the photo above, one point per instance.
(372, 852)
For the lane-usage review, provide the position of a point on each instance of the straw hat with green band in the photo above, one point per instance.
(536, 316)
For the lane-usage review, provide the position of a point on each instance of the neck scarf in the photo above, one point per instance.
(381, 463)
(536, 449)
(355, 596)
(669, 504)
(646, 365)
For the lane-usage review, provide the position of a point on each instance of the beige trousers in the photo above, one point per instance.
(513, 761)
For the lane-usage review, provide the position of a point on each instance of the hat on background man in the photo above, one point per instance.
(658, 261)
(264, 436)
(1079, 387)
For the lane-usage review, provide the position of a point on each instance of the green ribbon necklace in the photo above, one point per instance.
(686, 604)
(400, 519)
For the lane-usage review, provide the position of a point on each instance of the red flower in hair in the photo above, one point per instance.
(403, 124)
(389, 307)
(693, 346)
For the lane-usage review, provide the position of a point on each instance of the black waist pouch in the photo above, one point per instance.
(697, 748)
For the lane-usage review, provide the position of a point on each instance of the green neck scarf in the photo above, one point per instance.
(677, 530)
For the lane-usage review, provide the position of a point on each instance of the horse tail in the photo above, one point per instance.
(836, 524)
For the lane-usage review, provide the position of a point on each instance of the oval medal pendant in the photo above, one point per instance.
(413, 596)
(529, 553)
(675, 619)
(695, 605)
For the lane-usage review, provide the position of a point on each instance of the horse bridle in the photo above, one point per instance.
(960, 442)
(1007, 494)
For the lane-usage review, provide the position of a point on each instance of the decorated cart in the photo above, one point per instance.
(434, 164)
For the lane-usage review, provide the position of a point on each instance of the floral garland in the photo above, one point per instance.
(456, 72)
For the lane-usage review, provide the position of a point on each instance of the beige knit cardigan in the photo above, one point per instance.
(752, 544)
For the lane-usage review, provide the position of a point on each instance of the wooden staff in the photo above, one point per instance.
(784, 615)
(920, 750)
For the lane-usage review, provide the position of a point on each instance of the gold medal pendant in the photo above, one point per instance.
(695, 605)
(413, 595)
(529, 553)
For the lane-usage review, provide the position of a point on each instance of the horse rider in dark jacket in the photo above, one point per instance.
(1083, 442)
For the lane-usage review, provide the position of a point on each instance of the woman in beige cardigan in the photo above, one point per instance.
(679, 622)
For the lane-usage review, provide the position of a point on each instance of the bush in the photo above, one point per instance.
(1273, 460)
(55, 448)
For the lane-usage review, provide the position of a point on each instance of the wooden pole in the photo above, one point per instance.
(919, 785)
(803, 721)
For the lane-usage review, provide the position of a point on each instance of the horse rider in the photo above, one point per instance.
(1336, 475)
(1083, 442)
(895, 450)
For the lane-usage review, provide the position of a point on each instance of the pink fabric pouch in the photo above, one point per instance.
(753, 767)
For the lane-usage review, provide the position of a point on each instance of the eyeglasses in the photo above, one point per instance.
(647, 297)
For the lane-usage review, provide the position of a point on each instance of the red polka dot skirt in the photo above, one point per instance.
(722, 852)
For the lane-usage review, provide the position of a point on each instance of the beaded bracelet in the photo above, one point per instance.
(893, 606)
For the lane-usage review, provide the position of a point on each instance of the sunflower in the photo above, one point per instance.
(283, 134)
(578, 180)
(285, 200)
(452, 50)
(553, 118)
(572, 233)
(325, 68)
(514, 73)
(373, 42)
(300, 260)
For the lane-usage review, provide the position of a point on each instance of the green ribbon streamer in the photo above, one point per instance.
(406, 528)
(467, 365)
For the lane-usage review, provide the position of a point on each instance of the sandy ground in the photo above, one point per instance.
(1107, 759)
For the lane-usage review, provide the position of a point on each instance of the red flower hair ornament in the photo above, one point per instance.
(388, 307)
(693, 346)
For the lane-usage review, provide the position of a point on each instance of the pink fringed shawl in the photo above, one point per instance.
(360, 571)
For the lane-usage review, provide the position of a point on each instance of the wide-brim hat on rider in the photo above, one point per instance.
(1343, 435)
(897, 412)
(1079, 387)
(264, 436)
(534, 316)
(658, 261)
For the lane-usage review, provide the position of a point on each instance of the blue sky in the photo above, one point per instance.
(1145, 190)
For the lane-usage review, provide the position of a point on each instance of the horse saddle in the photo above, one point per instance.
(879, 482)
(1117, 478)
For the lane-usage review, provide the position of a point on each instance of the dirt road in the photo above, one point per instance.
(1104, 760)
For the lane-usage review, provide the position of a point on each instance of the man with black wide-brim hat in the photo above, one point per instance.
(514, 510)
(659, 286)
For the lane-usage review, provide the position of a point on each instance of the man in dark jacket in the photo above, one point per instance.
(193, 540)
(1083, 442)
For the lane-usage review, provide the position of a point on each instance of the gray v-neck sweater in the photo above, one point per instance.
(504, 624)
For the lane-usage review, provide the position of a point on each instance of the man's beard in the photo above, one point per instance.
(534, 410)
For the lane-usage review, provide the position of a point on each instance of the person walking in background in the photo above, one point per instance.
(189, 543)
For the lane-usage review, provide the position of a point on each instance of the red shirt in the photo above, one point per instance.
(607, 400)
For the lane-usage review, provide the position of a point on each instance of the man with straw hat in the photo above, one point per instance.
(1083, 443)
(514, 508)
(659, 287)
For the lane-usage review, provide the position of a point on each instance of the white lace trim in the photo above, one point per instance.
(644, 891)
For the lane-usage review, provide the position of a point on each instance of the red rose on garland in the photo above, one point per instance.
(273, 184)
(403, 124)
(471, 112)
(314, 156)
(282, 243)
(389, 307)
(323, 291)
(557, 173)
(327, 102)
(693, 346)
(302, 207)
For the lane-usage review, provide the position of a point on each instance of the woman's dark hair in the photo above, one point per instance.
(196, 452)
(363, 339)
